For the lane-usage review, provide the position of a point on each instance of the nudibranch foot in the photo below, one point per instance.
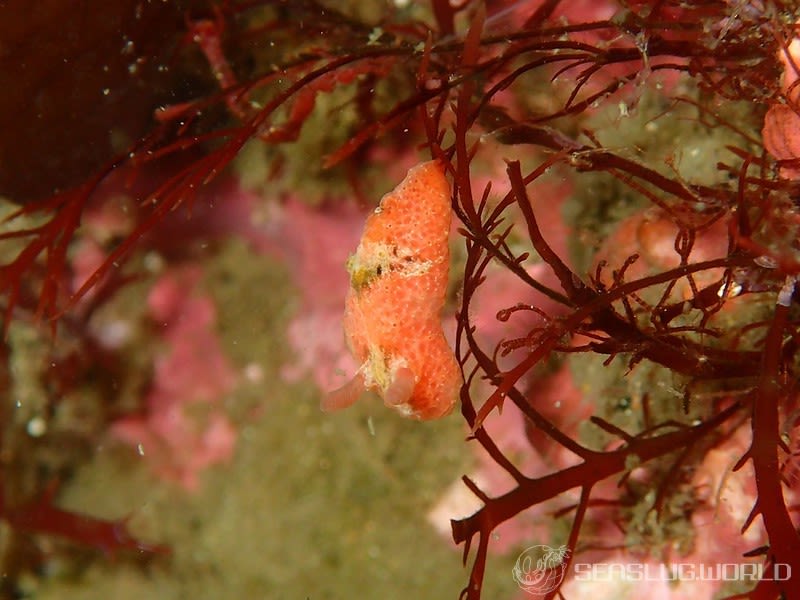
(397, 394)
(344, 396)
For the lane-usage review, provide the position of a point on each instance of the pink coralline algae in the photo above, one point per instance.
(315, 332)
(184, 428)
(720, 548)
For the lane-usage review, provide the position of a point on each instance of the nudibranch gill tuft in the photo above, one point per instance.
(398, 281)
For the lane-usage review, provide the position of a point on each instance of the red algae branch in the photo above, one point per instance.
(623, 176)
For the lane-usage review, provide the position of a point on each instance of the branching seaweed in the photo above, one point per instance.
(481, 89)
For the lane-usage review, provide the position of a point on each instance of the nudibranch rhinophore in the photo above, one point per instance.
(398, 281)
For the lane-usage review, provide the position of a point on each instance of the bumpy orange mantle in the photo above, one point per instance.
(398, 280)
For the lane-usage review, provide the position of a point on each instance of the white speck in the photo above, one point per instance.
(433, 84)
(36, 427)
(253, 373)
(153, 262)
(766, 261)
(115, 334)
(370, 426)
(785, 295)
(729, 290)
(140, 449)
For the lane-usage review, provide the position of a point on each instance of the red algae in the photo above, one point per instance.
(669, 314)
(42, 516)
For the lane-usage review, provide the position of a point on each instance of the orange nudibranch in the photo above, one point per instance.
(398, 280)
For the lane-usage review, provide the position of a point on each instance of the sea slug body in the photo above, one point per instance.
(398, 281)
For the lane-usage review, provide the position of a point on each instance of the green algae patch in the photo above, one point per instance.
(311, 506)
